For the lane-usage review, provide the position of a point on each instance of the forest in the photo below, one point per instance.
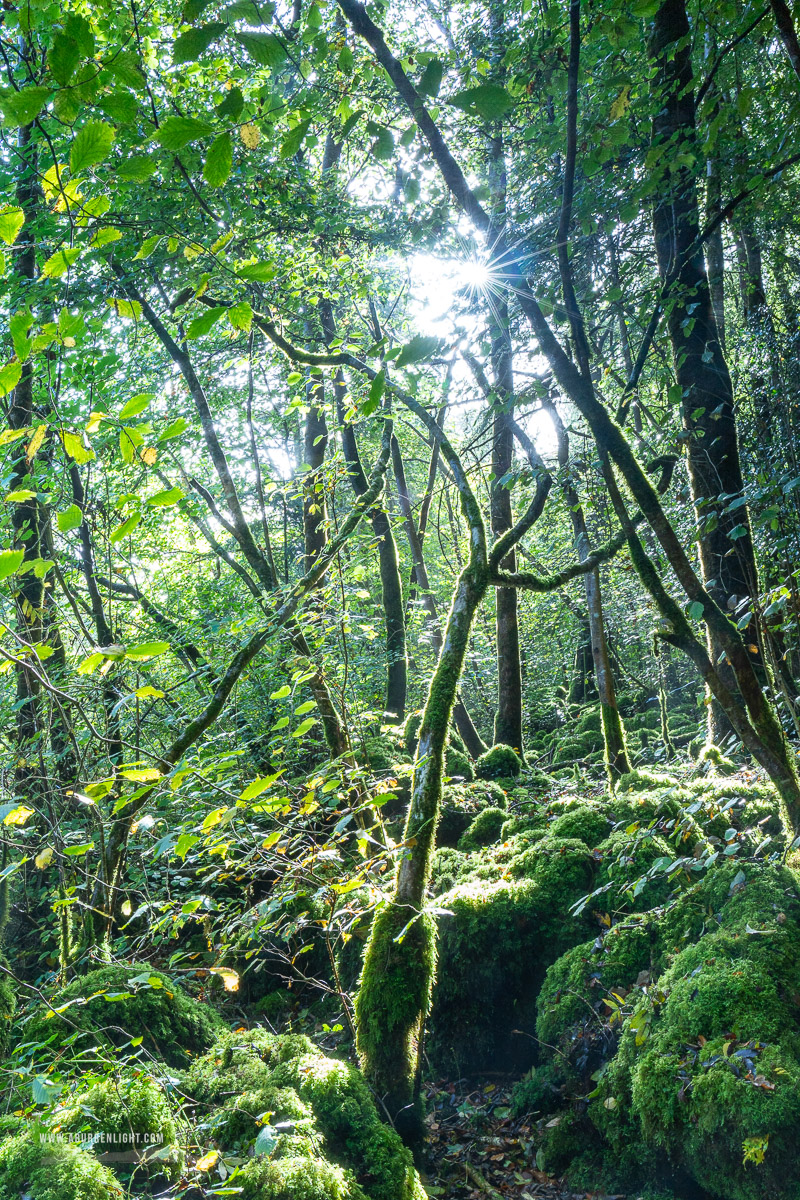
(400, 607)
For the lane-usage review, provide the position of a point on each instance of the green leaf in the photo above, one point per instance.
(129, 441)
(130, 310)
(127, 527)
(10, 562)
(166, 498)
(304, 727)
(69, 519)
(184, 844)
(205, 323)
(241, 316)
(695, 610)
(232, 105)
(175, 429)
(417, 349)
(177, 132)
(91, 146)
(258, 272)
(78, 851)
(104, 237)
(63, 57)
(59, 263)
(376, 391)
(281, 693)
(431, 78)
(146, 651)
(264, 48)
(126, 67)
(383, 146)
(138, 168)
(266, 1141)
(194, 42)
(21, 108)
(73, 444)
(122, 107)
(10, 376)
(147, 247)
(11, 221)
(489, 101)
(219, 161)
(294, 139)
(20, 495)
(135, 405)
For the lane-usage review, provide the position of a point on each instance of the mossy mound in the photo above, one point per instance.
(484, 829)
(495, 942)
(461, 803)
(500, 762)
(324, 1141)
(115, 1004)
(457, 764)
(128, 1117)
(52, 1170)
(689, 1019)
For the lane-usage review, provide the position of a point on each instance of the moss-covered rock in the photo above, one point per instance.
(500, 762)
(33, 1167)
(322, 1115)
(495, 942)
(484, 829)
(130, 1117)
(115, 1004)
(461, 803)
(458, 764)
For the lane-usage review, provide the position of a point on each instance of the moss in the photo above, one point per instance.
(585, 822)
(122, 1111)
(296, 1178)
(590, 720)
(459, 764)
(382, 755)
(483, 830)
(172, 1024)
(709, 1063)
(449, 865)
(44, 1170)
(411, 731)
(713, 755)
(460, 805)
(394, 996)
(578, 745)
(8, 1007)
(500, 762)
(496, 941)
(347, 1151)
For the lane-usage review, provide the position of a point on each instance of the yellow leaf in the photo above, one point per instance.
(207, 1161)
(18, 816)
(35, 443)
(250, 135)
(44, 859)
(148, 455)
(230, 979)
(621, 104)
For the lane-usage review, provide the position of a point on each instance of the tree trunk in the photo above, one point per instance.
(727, 562)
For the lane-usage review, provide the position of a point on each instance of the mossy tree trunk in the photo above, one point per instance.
(399, 963)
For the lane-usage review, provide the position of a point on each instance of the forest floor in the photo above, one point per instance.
(476, 1150)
